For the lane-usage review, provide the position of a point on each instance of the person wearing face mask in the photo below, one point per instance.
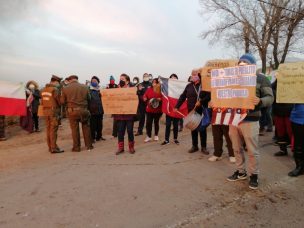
(50, 101)
(154, 109)
(30, 122)
(125, 121)
(135, 81)
(141, 89)
(112, 84)
(96, 110)
(150, 78)
(196, 98)
(35, 104)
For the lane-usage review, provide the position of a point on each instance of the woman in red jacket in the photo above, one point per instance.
(154, 109)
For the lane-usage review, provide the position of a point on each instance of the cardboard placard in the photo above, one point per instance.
(119, 101)
(233, 87)
(214, 64)
(290, 85)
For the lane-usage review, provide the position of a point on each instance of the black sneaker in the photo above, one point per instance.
(253, 182)
(176, 141)
(165, 143)
(236, 176)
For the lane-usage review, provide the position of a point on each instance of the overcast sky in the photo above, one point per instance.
(39, 38)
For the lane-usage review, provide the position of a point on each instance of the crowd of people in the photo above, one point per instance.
(82, 104)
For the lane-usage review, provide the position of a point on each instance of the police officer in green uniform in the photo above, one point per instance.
(50, 101)
(76, 96)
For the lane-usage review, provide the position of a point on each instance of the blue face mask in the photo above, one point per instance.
(94, 84)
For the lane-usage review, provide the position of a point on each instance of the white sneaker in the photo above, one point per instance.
(214, 158)
(232, 159)
(147, 139)
(156, 138)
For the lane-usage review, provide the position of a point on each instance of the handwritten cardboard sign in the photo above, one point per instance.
(233, 87)
(214, 64)
(119, 101)
(290, 87)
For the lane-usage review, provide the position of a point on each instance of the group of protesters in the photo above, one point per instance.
(83, 104)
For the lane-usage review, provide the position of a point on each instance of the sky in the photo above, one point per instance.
(39, 38)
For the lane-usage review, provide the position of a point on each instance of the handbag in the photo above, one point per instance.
(206, 119)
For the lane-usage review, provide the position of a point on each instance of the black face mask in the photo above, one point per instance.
(122, 83)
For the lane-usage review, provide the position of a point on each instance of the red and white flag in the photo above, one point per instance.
(171, 90)
(228, 116)
(12, 99)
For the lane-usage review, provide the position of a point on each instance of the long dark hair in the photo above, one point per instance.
(126, 77)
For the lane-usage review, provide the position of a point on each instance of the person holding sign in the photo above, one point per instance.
(125, 121)
(248, 129)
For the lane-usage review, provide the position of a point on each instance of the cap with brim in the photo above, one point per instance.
(56, 78)
(73, 77)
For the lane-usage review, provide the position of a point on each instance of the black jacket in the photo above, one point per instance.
(191, 94)
(36, 101)
(280, 109)
(95, 104)
(141, 92)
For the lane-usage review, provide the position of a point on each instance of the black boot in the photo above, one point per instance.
(299, 160)
(283, 151)
(193, 149)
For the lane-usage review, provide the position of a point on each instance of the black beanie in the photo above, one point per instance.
(96, 78)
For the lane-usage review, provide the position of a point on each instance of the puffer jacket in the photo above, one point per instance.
(264, 92)
(297, 114)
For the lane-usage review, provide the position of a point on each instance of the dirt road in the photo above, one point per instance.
(158, 186)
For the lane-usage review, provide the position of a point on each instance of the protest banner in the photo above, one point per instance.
(120, 101)
(214, 64)
(290, 85)
(233, 87)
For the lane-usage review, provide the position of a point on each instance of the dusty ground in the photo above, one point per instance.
(156, 187)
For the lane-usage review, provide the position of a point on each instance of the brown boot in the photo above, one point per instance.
(131, 147)
(120, 148)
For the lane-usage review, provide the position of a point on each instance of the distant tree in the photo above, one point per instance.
(270, 26)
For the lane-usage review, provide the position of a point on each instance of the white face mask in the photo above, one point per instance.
(146, 79)
(31, 86)
(135, 81)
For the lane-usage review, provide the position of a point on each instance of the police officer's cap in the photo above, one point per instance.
(56, 78)
(73, 77)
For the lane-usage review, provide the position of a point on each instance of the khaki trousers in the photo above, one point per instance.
(247, 132)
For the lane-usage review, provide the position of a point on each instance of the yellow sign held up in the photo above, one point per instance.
(290, 87)
(119, 101)
(214, 64)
